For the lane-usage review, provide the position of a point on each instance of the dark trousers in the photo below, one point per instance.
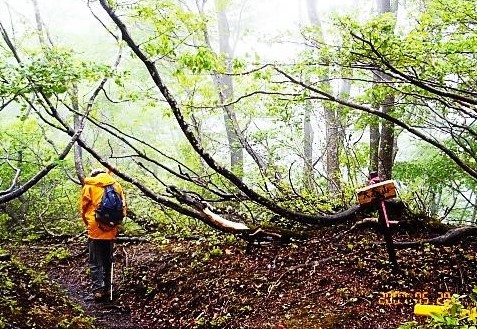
(100, 261)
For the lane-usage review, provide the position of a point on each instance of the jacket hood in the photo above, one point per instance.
(102, 179)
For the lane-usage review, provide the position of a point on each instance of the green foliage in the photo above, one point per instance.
(51, 72)
(430, 179)
(57, 254)
(424, 50)
(203, 59)
(29, 300)
(79, 321)
(218, 321)
(216, 251)
(272, 120)
(430, 167)
(52, 203)
(172, 25)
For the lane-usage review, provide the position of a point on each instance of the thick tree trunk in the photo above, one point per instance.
(386, 145)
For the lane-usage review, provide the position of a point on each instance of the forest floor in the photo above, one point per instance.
(334, 280)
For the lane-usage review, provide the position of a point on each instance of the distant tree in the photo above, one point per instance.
(225, 88)
(333, 129)
(382, 140)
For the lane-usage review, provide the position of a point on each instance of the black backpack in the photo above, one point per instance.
(110, 210)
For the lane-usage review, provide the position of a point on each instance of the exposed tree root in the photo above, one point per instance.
(450, 237)
(5, 257)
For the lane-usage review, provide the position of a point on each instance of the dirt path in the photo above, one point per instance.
(71, 275)
(108, 315)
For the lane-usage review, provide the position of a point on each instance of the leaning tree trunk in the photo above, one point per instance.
(247, 191)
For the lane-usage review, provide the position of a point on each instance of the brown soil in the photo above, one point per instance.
(331, 281)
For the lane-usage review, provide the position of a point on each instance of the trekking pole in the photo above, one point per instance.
(111, 290)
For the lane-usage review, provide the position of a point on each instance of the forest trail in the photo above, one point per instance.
(71, 275)
(331, 281)
(108, 315)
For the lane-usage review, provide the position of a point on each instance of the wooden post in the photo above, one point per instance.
(388, 239)
(375, 194)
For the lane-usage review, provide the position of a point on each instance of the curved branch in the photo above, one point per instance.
(15, 178)
(42, 173)
(387, 117)
(417, 82)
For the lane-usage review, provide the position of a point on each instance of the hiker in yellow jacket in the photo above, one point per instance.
(100, 236)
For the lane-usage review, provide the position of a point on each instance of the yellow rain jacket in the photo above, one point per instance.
(91, 195)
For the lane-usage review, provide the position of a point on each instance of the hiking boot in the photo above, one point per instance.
(99, 296)
(94, 297)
